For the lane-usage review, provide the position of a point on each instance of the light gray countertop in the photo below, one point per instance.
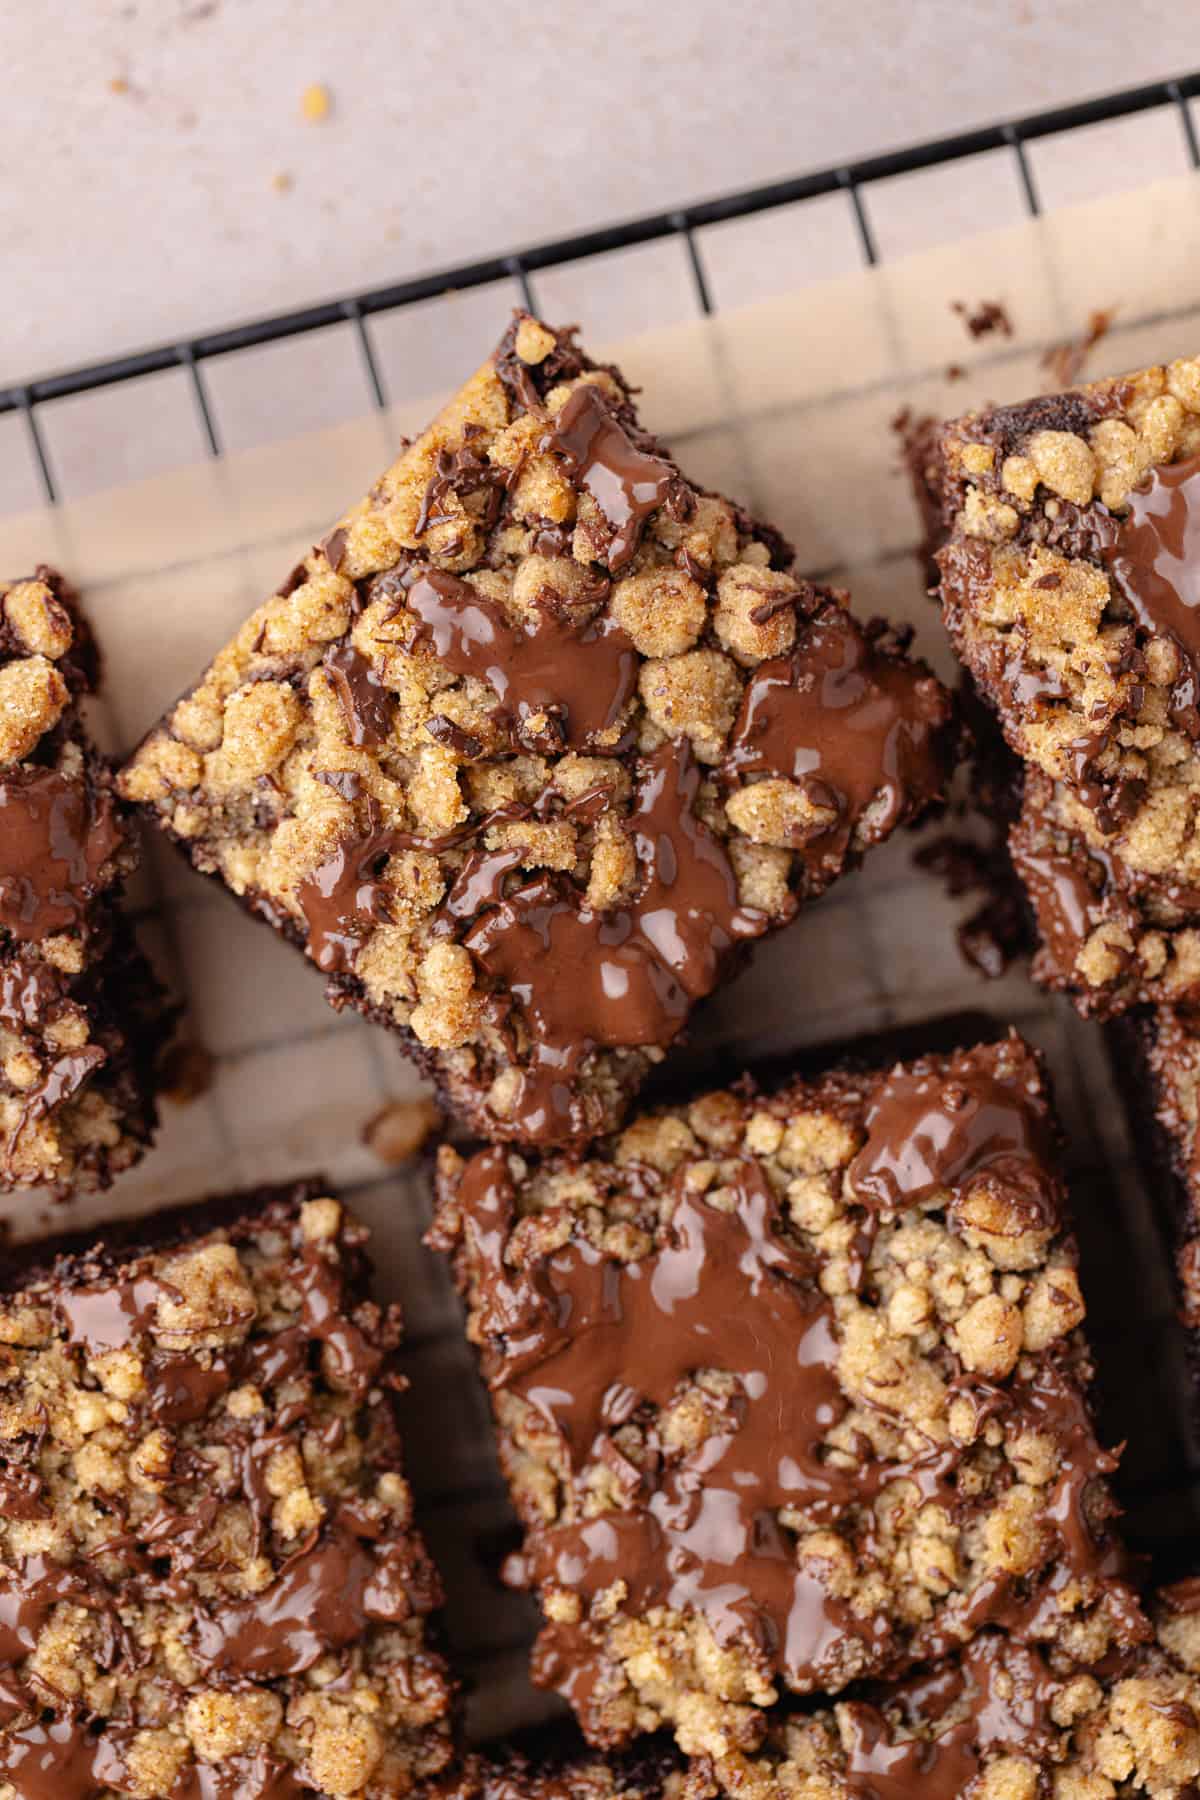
(160, 178)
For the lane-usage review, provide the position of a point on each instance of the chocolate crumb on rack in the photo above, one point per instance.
(1070, 583)
(791, 1390)
(211, 1582)
(537, 741)
(984, 318)
(82, 1018)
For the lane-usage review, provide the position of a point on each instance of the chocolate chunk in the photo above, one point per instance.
(625, 977)
(462, 472)
(444, 731)
(56, 837)
(366, 704)
(333, 548)
(346, 782)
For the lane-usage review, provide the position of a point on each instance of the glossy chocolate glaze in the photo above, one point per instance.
(625, 977)
(366, 704)
(937, 1128)
(1153, 556)
(602, 460)
(995, 1698)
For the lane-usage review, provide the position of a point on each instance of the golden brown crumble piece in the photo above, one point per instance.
(537, 741)
(790, 1390)
(82, 1017)
(1003, 1721)
(1070, 582)
(210, 1582)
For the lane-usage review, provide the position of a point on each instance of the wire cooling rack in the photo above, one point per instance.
(686, 225)
(877, 953)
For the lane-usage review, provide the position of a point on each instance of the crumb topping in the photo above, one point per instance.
(1002, 1722)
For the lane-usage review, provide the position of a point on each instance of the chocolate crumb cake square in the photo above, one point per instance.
(536, 741)
(1003, 1720)
(210, 1582)
(82, 1018)
(791, 1390)
(1070, 584)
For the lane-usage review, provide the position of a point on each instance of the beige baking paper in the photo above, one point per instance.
(787, 405)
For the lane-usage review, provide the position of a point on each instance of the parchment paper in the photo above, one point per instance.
(788, 406)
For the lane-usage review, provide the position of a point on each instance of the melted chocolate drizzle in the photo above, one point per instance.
(321, 1600)
(56, 836)
(111, 1314)
(999, 1693)
(343, 899)
(883, 1766)
(620, 978)
(1072, 892)
(590, 1341)
(60, 1759)
(857, 730)
(1153, 556)
(365, 702)
(29, 993)
(581, 979)
(255, 1777)
(64, 1078)
(582, 675)
(600, 457)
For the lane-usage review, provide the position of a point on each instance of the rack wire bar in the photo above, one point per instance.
(682, 222)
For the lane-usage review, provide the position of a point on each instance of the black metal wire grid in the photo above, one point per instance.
(682, 223)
